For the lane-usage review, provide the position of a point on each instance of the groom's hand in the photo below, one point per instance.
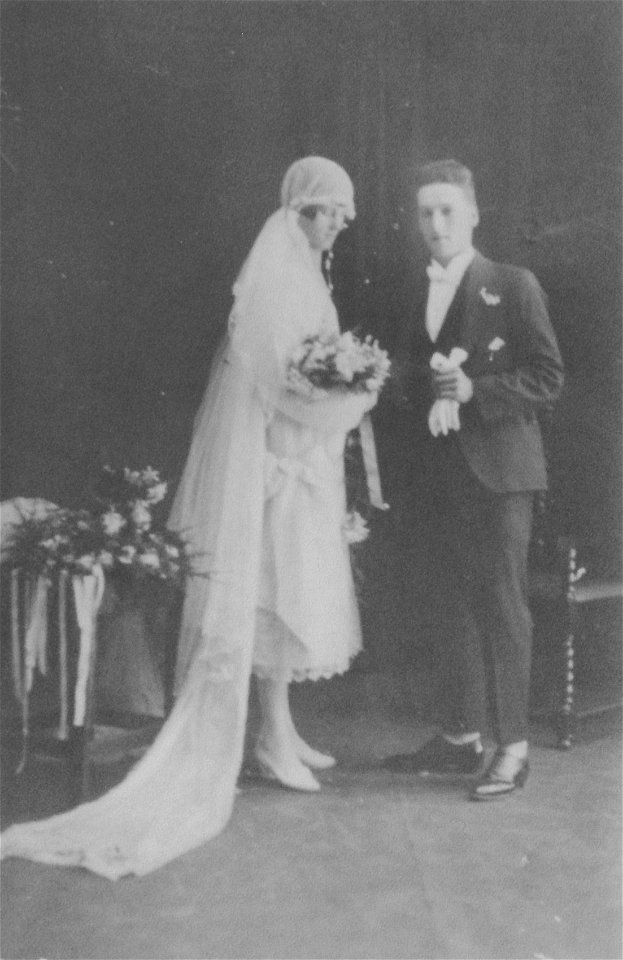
(453, 385)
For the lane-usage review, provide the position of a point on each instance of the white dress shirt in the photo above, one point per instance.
(444, 282)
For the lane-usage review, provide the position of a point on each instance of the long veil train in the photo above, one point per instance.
(181, 792)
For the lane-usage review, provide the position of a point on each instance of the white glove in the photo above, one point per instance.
(443, 417)
(444, 413)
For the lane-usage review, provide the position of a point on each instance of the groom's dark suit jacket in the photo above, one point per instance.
(499, 316)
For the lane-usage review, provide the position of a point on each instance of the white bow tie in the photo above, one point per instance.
(437, 274)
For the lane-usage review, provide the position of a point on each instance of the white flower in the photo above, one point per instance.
(318, 354)
(86, 562)
(355, 528)
(157, 493)
(337, 362)
(141, 515)
(112, 522)
(171, 551)
(132, 476)
(127, 553)
(149, 559)
(496, 344)
(106, 559)
(346, 341)
(491, 299)
(150, 476)
(344, 366)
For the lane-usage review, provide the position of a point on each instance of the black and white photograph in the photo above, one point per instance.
(311, 479)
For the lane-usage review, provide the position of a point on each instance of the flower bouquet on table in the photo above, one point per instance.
(118, 540)
(127, 504)
(120, 532)
(337, 362)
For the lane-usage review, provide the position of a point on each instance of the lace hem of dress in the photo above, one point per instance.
(299, 675)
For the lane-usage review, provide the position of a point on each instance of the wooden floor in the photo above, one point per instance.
(377, 865)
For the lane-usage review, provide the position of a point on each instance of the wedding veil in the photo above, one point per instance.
(181, 792)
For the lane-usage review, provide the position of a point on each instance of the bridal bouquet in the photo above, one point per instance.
(343, 362)
(120, 532)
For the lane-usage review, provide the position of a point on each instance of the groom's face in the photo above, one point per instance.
(447, 216)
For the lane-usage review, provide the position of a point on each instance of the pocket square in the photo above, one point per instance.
(491, 299)
(496, 344)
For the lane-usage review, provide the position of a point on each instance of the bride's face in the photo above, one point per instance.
(322, 227)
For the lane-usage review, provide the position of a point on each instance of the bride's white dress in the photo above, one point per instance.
(262, 503)
(308, 620)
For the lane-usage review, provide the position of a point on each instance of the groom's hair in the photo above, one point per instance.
(446, 171)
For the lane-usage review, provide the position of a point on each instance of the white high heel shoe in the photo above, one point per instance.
(306, 754)
(297, 779)
(313, 758)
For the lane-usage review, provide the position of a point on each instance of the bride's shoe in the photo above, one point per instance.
(297, 778)
(313, 758)
(310, 757)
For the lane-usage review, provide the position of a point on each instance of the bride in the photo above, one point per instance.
(262, 503)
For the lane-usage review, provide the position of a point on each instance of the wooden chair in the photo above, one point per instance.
(567, 579)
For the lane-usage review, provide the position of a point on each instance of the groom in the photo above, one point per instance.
(478, 361)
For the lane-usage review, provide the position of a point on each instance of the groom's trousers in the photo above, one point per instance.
(483, 536)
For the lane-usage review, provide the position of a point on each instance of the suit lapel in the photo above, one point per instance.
(417, 316)
(475, 279)
(420, 308)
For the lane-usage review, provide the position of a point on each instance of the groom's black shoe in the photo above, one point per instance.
(438, 756)
(503, 775)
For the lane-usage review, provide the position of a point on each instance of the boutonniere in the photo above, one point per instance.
(495, 346)
(491, 299)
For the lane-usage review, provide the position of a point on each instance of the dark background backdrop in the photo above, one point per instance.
(143, 145)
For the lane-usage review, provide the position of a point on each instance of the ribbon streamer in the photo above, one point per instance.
(16, 652)
(88, 592)
(63, 724)
(370, 462)
(36, 640)
(35, 650)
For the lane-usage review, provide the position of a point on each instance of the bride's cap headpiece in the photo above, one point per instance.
(314, 181)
